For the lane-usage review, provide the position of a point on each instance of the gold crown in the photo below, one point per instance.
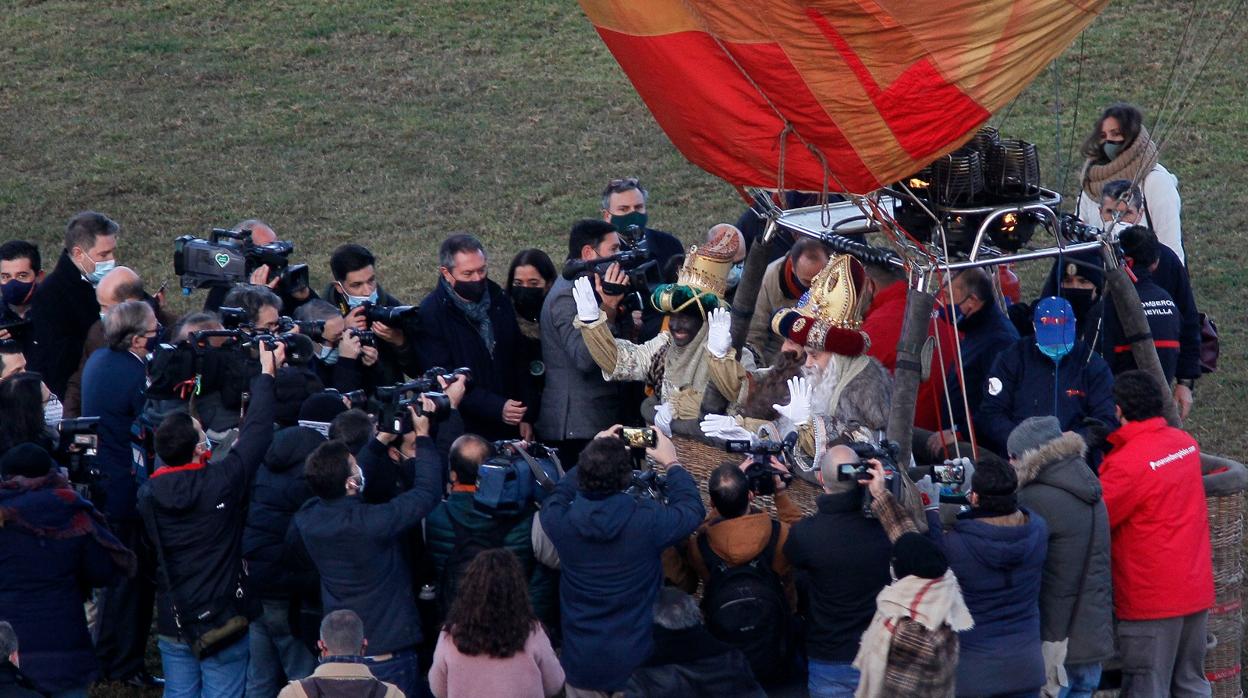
(833, 294)
(704, 272)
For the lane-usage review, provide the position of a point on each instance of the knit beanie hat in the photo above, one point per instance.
(290, 388)
(995, 483)
(1032, 433)
(321, 407)
(915, 554)
(26, 460)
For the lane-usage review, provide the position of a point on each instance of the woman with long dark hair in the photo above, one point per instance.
(1119, 148)
(23, 398)
(492, 643)
(529, 279)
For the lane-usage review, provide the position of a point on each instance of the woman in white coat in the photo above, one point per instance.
(1120, 148)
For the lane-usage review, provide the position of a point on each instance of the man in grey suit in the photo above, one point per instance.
(577, 402)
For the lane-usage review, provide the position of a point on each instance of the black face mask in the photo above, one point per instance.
(1081, 301)
(471, 291)
(528, 301)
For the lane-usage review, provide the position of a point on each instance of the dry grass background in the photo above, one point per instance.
(392, 123)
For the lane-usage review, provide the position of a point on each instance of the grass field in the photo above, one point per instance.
(393, 123)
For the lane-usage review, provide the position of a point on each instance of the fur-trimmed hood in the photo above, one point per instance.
(1060, 463)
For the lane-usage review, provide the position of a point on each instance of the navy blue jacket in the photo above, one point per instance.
(65, 308)
(279, 490)
(1171, 275)
(1021, 384)
(1164, 323)
(999, 569)
(985, 334)
(357, 549)
(609, 551)
(113, 389)
(449, 339)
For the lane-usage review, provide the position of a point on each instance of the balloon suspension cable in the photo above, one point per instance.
(1181, 106)
(957, 342)
(1074, 120)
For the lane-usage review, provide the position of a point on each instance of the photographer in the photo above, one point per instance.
(577, 402)
(675, 354)
(355, 291)
(65, 302)
(383, 458)
(21, 272)
(54, 547)
(610, 545)
(840, 560)
(358, 549)
(280, 488)
(114, 382)
(340, 357)
(468, 321)
(194, 512)
(261, 234)
(739, 536)
(262, 307)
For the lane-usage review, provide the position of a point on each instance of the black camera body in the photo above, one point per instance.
(358, 399)
(1075, 230)
(760, 475)
(886, 453)
(637, 264)
(393, 400)
(391, 315)
(76, 449)
(648, 484)
(368, 338)
(229, 257)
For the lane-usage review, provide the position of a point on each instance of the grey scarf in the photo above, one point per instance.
(477, 313)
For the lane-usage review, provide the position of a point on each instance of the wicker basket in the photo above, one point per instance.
(700, 458)
(1226, 530)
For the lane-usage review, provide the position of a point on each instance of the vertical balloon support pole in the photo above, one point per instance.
(743, 309)
(1126, 302)
(909, 371)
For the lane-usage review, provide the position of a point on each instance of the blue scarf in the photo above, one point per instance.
(477, 313)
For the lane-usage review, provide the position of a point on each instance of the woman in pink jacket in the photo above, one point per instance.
(492, 643)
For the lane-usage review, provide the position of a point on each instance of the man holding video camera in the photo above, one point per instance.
(372, 314)
(610, 545)
(194, 512)
(840, 558)
(467, 321)
(292, 298)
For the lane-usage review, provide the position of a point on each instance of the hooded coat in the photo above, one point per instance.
(1076, 599)
(1000, 568)
(279, 491)
(609, 550)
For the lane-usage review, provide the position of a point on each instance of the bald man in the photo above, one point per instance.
(841, 561)
(261, 234)
(118, 286)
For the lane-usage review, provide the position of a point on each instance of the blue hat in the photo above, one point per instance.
(1054, 321)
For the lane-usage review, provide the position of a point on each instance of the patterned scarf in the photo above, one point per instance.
(48, 507)
(477, 313)
(1132, 164)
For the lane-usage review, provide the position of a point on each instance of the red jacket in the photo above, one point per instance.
(883, 325)
(1159, 526)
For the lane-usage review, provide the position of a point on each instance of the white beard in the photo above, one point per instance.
(823, 381)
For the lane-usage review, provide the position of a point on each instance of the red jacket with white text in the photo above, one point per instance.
(1159, 526)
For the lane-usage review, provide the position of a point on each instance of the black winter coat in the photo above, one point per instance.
(280, 489)
(691, 663)
(65, 308)
(449, 339)
(1171, 275)
(1055, 482)
(200, 511)
(1165, 324)
(840, 560)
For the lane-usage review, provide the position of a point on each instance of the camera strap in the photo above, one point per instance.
(538, 473)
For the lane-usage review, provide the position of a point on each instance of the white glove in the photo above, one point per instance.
(663, 419)
(721, 426)
(930, 491)
(800, 395)
(719, 336)
(586, 303)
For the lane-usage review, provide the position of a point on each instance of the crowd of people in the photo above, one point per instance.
(339, 494)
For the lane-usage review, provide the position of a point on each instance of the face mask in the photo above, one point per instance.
(357, 301)
(1117, 228)
(150, 343)
(734, 274)
(630, 220)
(1080, 300)
(528, 301)
(328, 355)
(17, 292)
(1112, 148)
(1055, 351)
(471, 291)
(53, 411)
(101, 269)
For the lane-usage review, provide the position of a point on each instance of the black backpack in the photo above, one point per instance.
(468, 542)
(745, 606)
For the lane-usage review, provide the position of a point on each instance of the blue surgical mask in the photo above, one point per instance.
(1055, 351)
(357, 301)
(328, 355)
(734, 274)
(101, 269)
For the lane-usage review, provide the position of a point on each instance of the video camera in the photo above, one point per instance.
(214, 262)
(393, 400)
(515, 475)
(76, 449)
(642, 271)
(886, 454)
(760, 474)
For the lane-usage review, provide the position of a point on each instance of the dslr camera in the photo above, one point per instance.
(228, 257)
(391, 315)
(760, 474)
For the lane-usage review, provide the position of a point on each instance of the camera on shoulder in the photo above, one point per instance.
(886, 453)
(229, 257)
(516, 475)
(760, 474)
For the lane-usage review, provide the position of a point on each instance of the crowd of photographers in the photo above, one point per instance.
(340, 494)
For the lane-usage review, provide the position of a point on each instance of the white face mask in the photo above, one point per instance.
(53, 411)
(1116, 229)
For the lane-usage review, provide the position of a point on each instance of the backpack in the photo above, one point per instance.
(745, 606)
(468, 542)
